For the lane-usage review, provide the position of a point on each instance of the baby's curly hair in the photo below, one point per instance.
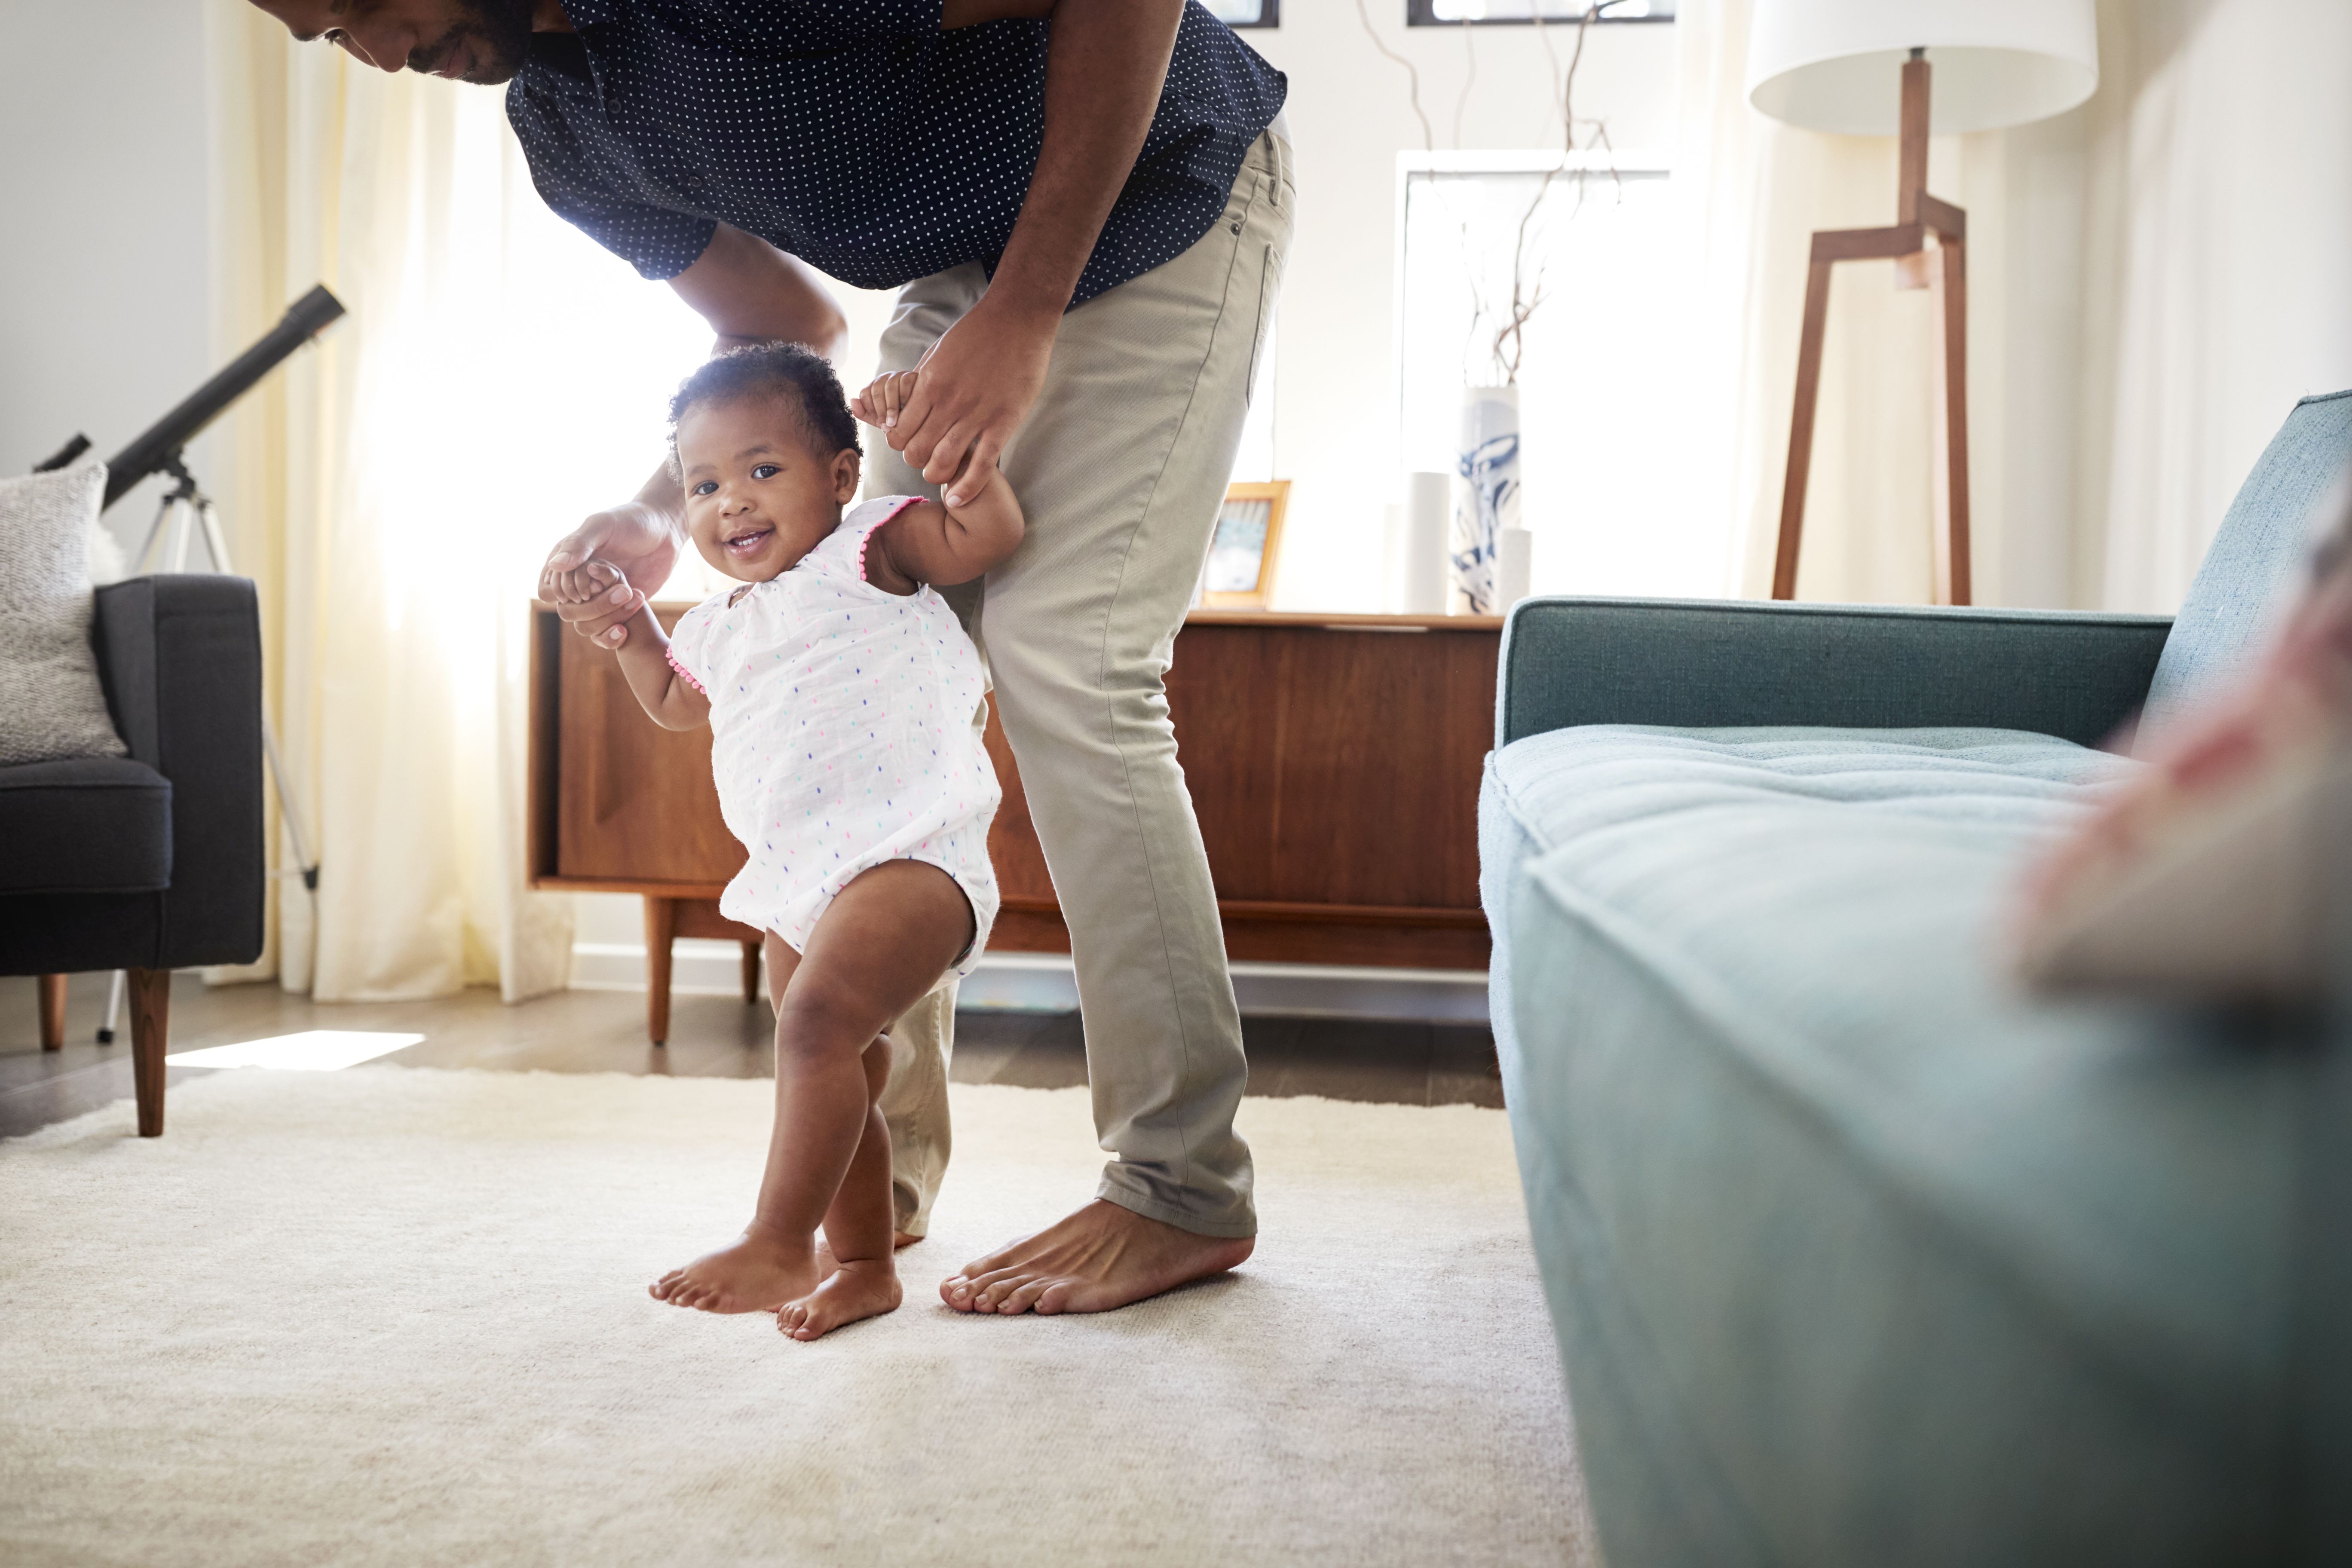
(773, 370)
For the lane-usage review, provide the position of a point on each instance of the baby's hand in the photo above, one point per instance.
(880, 404)
(592, 579)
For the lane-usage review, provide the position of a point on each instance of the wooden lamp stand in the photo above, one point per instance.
(1918, 264)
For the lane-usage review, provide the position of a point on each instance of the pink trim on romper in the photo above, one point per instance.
(682, 673)
(904, 503)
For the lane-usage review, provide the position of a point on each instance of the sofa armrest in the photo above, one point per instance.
(181, 659)
(1694, 663)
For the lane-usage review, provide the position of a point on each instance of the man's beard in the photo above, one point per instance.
(496, 33)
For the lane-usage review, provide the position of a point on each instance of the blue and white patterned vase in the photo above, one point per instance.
(1486, 496)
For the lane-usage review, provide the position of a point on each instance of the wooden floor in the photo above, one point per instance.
(710, 1036)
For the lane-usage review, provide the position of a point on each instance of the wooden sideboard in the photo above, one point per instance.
(1333, 761)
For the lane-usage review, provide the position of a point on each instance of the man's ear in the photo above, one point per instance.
(845, 464)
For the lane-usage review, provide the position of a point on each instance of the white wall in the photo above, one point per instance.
(1334, 374)
(105, 291)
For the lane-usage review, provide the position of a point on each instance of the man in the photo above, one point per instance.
(1087, 203)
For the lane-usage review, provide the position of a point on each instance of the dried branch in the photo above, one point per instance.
(1413, 89)
(1462, 99)
(1525, 295)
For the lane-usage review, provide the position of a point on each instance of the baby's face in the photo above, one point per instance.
(757, 497)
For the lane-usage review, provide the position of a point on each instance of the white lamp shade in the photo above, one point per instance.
(1835, 65)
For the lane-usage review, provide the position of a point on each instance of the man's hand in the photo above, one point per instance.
(971, 394)
(638, 539)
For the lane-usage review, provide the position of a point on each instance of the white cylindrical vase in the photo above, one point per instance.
(1514, 565)
(1391, 557)
(1425, 525)
(1486, 496)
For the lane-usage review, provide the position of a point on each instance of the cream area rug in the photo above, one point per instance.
(397, 1315)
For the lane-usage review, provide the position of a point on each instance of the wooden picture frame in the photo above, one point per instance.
(1249, 519)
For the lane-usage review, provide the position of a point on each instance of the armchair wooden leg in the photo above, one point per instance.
(53, 1012)
(661, 927)
(151, 1030)
(751, 973)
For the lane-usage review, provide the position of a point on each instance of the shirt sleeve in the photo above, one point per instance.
(848, 543)
(686, 646)
(659, 242)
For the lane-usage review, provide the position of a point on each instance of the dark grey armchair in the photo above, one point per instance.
(154, 861)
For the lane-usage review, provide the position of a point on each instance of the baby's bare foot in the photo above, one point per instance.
(759, 1273)
(867, 1288)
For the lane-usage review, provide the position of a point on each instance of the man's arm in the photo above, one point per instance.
(750, 293)
(1106, 63)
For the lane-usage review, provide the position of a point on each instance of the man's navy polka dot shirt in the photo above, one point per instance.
(855, 134)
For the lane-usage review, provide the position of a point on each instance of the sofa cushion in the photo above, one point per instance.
(1840, 1230)
(85, 825)
(2258, 557)
(1543, 791)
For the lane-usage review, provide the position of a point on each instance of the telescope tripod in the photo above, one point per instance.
(185, 517)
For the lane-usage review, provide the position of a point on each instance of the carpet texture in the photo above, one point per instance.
(399, 1315)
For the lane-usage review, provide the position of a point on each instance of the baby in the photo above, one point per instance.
(840, 692)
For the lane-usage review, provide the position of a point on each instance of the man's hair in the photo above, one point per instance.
(785, 372)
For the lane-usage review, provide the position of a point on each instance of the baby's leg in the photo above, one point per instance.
(880, 945)
(860, 1227)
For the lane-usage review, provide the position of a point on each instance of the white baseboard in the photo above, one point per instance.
(1042, 983)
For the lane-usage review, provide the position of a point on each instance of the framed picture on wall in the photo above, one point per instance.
(1244, 549)
(1246, 13)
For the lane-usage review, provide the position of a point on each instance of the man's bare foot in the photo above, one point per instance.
(866, 1289)
(758, 1273)
(825, 1265)
(1100, 1257)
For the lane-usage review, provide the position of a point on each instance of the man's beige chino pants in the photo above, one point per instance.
(1120, 469)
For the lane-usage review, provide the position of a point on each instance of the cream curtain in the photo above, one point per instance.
(395, 491)
(2153, 279)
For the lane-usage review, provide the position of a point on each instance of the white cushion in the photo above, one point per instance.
(51, 704)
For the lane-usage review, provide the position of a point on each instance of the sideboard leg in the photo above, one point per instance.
(661, 926)
(751, 973)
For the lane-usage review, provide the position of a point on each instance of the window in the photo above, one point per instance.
(1598, 371)
(1248, 12)
(1521, 13)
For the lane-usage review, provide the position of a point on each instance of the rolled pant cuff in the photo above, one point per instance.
(1168, 1213)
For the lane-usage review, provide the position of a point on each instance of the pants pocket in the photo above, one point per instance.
(1269, 280)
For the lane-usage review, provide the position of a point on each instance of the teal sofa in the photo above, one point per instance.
(1857, 1255)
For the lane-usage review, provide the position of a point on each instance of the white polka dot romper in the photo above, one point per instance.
(842, 733)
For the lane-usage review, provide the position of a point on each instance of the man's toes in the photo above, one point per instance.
(1055, 1297)
(982, 1283)
(957, 1293)
(995, 1263)
(1024, 1297)
(997, 1292)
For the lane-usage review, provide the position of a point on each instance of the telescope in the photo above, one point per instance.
(158, 450)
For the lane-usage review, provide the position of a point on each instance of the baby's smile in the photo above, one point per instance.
(743, 540)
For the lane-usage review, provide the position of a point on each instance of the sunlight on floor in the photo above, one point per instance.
(313, 1050)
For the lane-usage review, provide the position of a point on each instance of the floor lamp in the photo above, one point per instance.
(1863, 67)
